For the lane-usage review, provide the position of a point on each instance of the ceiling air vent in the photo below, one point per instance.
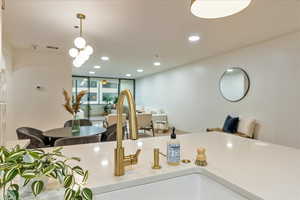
(52, 47)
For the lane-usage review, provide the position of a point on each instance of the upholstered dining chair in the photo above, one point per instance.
(36, 137)
(82, 122)
(111, 133)
(144, 121)
(111, 119)
(77, 140)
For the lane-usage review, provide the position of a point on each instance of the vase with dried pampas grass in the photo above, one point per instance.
(73, 107)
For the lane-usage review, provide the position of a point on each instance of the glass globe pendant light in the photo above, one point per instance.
(213, 9)
(81, 52)
(73, 52)
(80, 42)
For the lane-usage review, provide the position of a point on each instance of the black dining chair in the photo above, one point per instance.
(77, 140)
(36, 137)
(111, 133)
(82, 122)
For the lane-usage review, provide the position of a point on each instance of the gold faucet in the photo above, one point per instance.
(120, 159)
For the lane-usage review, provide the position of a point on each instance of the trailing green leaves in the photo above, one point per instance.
(34, 154)
(57, 150)
(37, 187)
(26, 181)
(69, 194)
(14, 187)
(48, 170)
(28, 174)
(12, 195)
(16, 155)
(78, 170)
(33, 164)
(76, 158)
(69, 181)
(10, 175)
(87, 194)
(85, 177)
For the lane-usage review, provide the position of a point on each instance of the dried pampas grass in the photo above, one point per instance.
(73, 109)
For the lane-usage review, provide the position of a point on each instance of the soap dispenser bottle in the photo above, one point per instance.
(173, 150)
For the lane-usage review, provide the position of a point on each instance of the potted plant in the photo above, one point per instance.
(33, 166)
(115, 102)
(108, 106)
(73, 108)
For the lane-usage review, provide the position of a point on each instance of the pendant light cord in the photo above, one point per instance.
(80, 27)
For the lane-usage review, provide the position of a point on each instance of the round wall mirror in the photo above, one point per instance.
(234, 84)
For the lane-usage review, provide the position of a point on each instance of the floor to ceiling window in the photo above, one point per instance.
(102, 94)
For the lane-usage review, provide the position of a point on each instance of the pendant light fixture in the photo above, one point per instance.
(212, 9)
(81, 52)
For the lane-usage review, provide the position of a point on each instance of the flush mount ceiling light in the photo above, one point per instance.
(212, 9)
(140, 70)
(92, 72)
(128, 75)
(97, 67)
(81, 52)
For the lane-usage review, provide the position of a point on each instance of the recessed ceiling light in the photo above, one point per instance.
(194, 38)
(156, 63)
(140, 70)
(229, 70)
(97, 67)
(92, 72)
(104, 58)
(128, 75)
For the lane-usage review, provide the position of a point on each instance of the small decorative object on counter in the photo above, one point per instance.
(186, 161)
(156, 159)
(201, 157)
(173, 150)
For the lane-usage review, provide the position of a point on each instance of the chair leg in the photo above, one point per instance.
(152, 127)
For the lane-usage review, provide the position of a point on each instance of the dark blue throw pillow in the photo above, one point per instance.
(231, 124)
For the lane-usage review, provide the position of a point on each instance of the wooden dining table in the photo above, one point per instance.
(66, 132)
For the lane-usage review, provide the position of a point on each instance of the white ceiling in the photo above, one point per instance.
(131, 32)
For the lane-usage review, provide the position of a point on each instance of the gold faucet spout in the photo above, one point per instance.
(120, 159)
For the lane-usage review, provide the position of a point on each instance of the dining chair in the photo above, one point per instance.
(82, 122)
(77, 140)
(145, 123)
(111, 133)
(36, 137)
(111, 119)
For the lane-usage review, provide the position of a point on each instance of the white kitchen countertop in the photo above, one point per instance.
(255, 169)
(12, 143)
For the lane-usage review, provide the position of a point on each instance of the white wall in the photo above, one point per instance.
(2, 89)
(29, 106)
(191, 96)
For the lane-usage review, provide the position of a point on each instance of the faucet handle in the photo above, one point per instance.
(137, 153)
(132, 159)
